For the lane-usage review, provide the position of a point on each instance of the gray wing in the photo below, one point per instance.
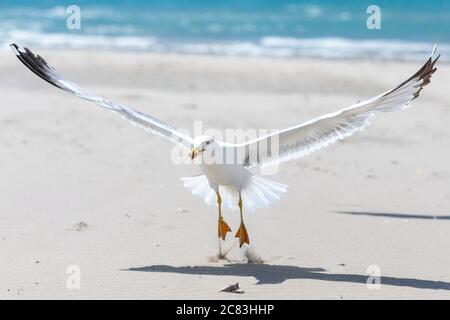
(38, 65)
(300, 140)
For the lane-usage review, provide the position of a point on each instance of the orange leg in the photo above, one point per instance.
(242, 231)
(223, 227)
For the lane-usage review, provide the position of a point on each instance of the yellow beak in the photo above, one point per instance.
(194, 152)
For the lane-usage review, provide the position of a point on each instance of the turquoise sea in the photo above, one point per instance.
(277, 28)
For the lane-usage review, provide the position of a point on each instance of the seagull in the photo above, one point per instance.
(231, 183)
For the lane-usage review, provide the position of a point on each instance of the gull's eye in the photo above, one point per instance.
(208, 142)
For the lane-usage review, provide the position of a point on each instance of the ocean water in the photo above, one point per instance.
(276, 28)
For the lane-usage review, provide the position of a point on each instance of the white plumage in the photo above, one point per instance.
(257, 193)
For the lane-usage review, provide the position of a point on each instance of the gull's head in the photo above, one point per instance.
(201, 144)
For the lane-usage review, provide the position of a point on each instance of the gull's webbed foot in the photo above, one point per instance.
(242, 235)
(223, 228)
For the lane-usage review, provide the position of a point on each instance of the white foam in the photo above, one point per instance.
(74, 41)
(340, 48)
(270, 46)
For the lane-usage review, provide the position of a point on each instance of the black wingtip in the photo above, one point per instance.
(15, 48)
(37, 65)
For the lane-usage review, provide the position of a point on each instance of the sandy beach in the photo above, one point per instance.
(82, 189)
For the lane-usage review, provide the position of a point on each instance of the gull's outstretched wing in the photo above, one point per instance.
(38, 65)
(300, 140)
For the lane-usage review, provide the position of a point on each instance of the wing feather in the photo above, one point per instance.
(300, 140)
(40, 67)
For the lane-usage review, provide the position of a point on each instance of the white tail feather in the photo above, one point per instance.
(258, 193)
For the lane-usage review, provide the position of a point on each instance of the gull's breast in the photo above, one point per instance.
(227, 174)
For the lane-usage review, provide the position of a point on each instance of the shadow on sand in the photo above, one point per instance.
(275, 274)
(395, 215)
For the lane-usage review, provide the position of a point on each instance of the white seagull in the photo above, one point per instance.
(233, 184)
